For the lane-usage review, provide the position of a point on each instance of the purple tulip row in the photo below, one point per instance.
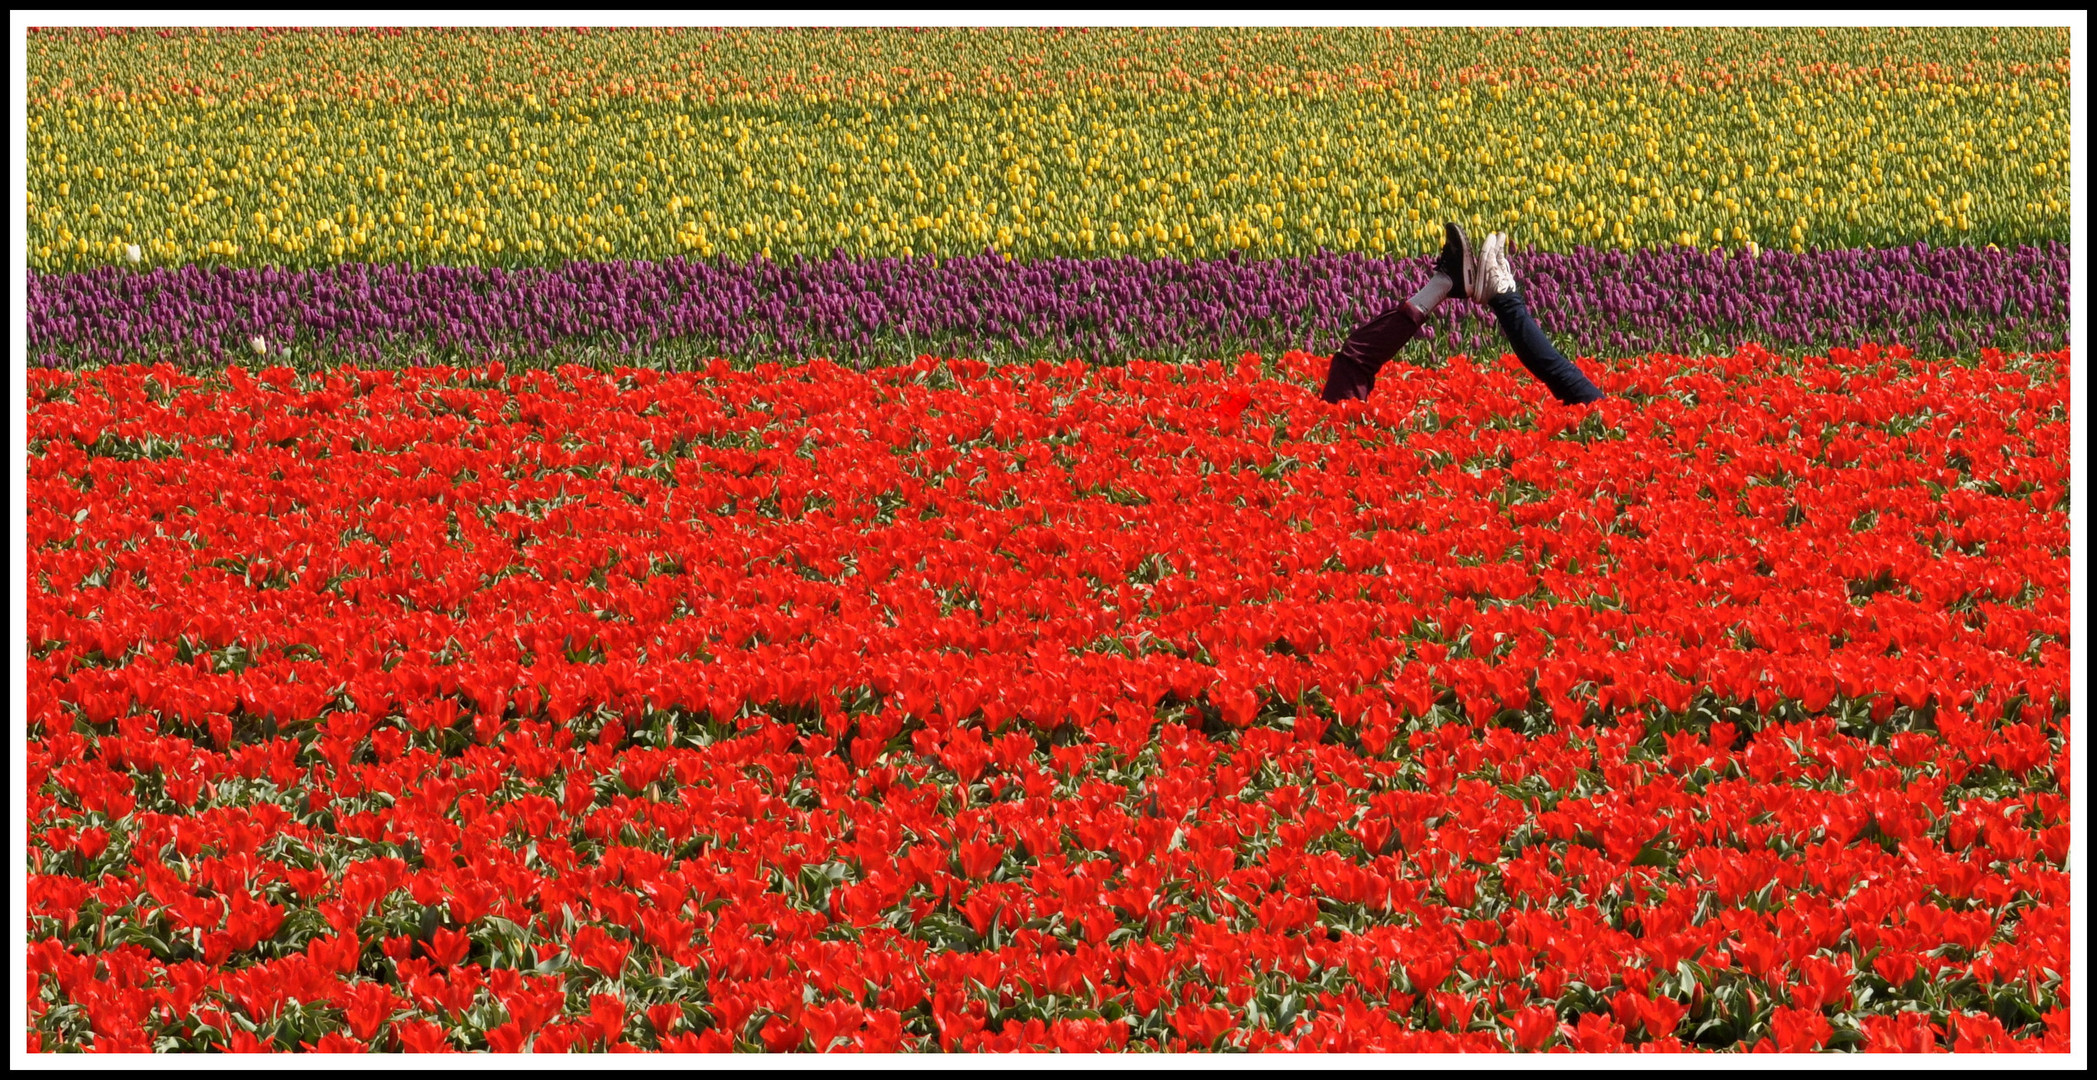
(1936, 300)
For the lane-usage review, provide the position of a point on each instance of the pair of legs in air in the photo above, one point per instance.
(1483, 275)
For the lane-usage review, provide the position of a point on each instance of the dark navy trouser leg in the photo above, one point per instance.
(1353, 372)
(1534, 350)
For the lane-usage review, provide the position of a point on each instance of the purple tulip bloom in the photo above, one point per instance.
(677, 312)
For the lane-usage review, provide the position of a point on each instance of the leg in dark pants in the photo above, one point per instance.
(1353, 372)
(1534, 350)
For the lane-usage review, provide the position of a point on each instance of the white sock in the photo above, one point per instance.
(1434, 292)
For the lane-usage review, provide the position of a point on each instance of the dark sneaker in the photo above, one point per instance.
(1456, 258)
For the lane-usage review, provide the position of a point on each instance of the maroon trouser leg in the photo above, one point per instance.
(1353, 372)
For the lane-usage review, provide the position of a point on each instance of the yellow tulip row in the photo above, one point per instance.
(876, 64)
(1197, 174)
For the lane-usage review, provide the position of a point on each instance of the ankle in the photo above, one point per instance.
(1430, 295)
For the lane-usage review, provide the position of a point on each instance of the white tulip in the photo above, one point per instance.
(260, 346)
(132, 253)
(284, 353)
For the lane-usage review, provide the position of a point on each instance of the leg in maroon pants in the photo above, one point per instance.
(1353, 372)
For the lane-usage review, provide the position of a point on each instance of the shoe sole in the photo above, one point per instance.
(1474, 270)
(1467, 265)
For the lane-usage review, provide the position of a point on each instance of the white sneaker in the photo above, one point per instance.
(1494, 275)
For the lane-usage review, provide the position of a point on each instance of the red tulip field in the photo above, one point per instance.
(1051, 706)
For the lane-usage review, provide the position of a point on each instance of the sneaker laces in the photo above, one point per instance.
(1499, 276)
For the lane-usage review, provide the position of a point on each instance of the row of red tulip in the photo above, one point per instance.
(1050, 707)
